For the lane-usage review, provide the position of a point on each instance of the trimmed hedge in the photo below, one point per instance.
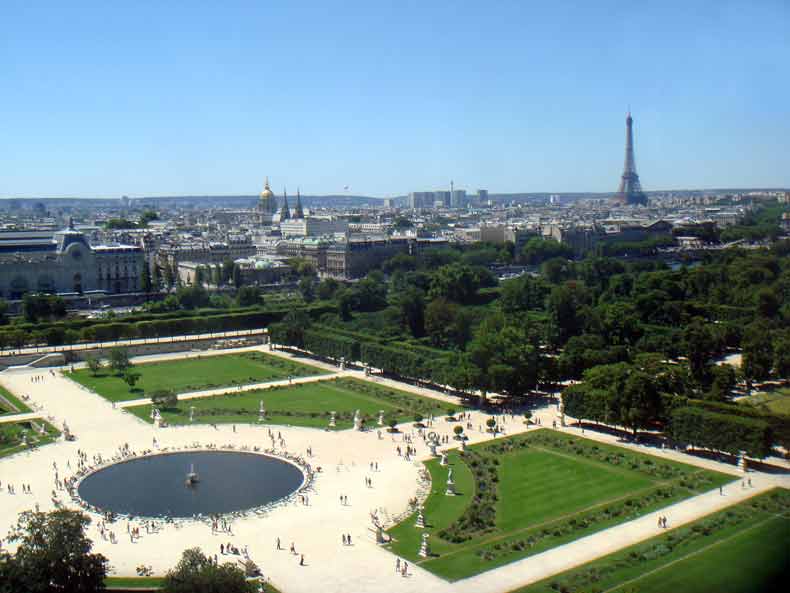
(159, 325)
(721, 432)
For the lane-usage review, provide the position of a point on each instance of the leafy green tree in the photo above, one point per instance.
(42, 306)
(53, 554)
(197, 572)
(327, 288)
(700, 347)
(248, 296)
(370, 293)
(439, 318)
(192, 297)
(507, 357)
(412, 311)
(566, 309)
(131, 378)
(401, 262)
(157, 277)
(307, 289)
(291, 331)
(345, 303)
(524, 293)
(557, 269)
(757, 351)
(768, 303)
(94, 364)
(781, 348)
(3, 311)
(722, 383)
(455, 282)
(640, 403)
(238, 278)
(119, 360)
(538, 250)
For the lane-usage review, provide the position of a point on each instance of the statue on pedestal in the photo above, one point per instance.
(420, 523)
(450, 484)
(425, 548)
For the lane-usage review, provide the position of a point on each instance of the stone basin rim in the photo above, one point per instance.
(89, 508)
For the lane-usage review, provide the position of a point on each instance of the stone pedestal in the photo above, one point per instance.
(420, 523)
(444, 459)
(357, 421)
(381, 418)
(742, 465)
(332, 421)
(425, 548)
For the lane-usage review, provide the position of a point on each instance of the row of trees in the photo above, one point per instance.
(652, 394)
(504, 356)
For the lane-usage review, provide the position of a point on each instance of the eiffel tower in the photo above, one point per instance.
(630, 191)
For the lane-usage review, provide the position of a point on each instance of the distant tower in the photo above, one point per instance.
(298, 212)
(630, 190)
(285, 213)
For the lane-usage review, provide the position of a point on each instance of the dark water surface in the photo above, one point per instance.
(155, 486)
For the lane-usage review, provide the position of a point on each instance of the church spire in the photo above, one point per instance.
(298, 212)
(286, 212)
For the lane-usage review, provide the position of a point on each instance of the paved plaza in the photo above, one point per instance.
(315, 529)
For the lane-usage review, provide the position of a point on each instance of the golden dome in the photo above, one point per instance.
(267, 193)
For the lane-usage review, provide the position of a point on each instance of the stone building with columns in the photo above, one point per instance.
(64, 263)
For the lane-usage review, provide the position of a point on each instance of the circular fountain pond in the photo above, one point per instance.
(159, 485)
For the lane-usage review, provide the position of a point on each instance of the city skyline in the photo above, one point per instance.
(155, 100)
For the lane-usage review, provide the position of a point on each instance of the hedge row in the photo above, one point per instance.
(155, 328)
(721, 432)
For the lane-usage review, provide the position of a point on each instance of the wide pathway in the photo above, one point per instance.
(21, 417)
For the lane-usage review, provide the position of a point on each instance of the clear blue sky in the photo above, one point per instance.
(164, 97)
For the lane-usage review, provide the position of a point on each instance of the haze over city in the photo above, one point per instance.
(196, 98)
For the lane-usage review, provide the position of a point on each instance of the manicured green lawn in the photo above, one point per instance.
(11, 436)
(194, 374)
(13, 400)
(743, 549)
(550, 489)
(307, 404)
(777, 401)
